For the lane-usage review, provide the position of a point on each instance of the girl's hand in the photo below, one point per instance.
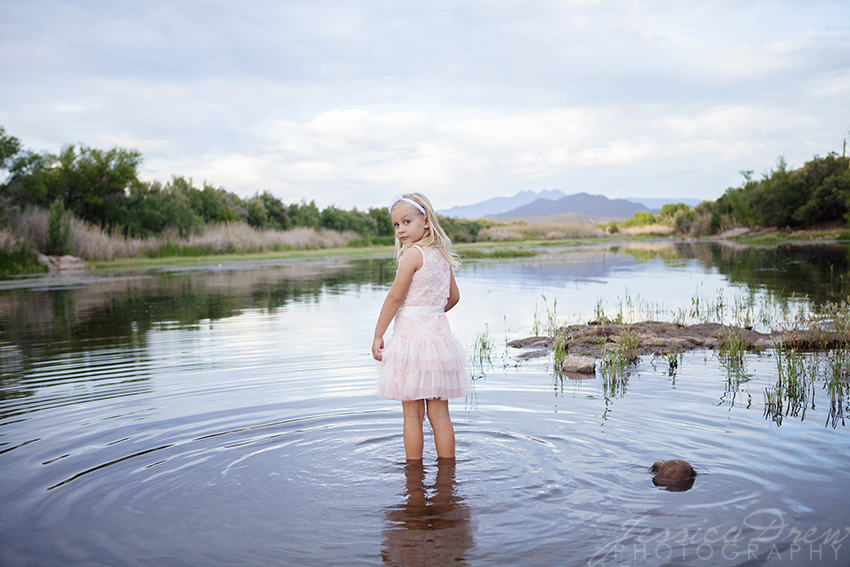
(377, 348)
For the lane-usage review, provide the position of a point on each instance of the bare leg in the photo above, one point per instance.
(441, 423)
(414, 414)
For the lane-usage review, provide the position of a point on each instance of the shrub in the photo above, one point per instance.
(58, 230)
(17, 256)
(640, 218)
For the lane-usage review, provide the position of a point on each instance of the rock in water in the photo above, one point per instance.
(674, 474)
(579, 364)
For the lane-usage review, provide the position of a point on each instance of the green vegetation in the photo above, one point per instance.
(669, 218)
(498, 253)
(18, 258)
(58, 230)
(100, 210)
(817, 192)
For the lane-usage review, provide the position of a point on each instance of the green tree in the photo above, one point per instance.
(268, 212)
(306, 214)
(383, 221)
(10, 146)
(58, 230)
(151, 208)
(91, 183)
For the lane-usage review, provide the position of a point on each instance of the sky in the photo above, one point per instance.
(349, 102)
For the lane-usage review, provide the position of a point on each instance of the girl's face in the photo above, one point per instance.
(410, 225)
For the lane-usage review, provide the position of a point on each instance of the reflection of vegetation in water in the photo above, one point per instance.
(47, 323)
(817, 271)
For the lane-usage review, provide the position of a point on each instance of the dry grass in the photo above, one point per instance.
(8, 240)
(656, 228)
(539, 231)
(90, 242)
(239, 237)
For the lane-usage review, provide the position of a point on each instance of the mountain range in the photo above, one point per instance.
(554, 201)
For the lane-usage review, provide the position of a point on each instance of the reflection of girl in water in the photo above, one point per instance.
(428, 530)
(423, 364)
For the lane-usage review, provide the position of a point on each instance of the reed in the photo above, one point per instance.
(794, 389)
(482, 350)
(614, 369)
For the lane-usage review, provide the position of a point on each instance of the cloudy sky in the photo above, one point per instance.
(349, 102)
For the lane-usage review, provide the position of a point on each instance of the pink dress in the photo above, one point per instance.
(423, 360)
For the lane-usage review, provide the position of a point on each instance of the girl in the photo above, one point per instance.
(423, 364)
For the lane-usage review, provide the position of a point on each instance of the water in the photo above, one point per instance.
(225, 415)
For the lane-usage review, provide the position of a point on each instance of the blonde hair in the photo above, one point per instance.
(434, 237)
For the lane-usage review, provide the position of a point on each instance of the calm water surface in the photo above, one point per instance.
(225, 415)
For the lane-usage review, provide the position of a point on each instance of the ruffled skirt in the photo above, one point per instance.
(427, 365)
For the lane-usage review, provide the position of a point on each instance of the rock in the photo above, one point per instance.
(536, 353)
(579, 364)
(675, 474)
(537, 341)
(65, 263)
(71, 263)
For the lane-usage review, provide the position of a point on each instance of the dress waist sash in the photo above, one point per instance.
(421, 311)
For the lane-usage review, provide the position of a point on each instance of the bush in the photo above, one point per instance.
(17, 257)
(640, 218)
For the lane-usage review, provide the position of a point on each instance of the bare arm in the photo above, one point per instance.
(454, 293)
(410, 261)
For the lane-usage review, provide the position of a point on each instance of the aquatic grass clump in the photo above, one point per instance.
(732, 348)
(482, 352)
(616, 360)
(615, 373)
(794, 390)
(560, 350)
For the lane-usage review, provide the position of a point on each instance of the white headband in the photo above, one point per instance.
(397, 198)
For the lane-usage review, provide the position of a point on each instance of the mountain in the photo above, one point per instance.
(583, 203)
(498, 205)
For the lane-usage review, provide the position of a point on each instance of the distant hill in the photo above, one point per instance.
(498, 205)
(560, 218)
(582, 203)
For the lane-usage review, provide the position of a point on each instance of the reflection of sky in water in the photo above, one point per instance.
(232, 413)
(282, 349)
(495, 292)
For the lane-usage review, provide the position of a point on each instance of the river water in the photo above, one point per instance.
(225, 415)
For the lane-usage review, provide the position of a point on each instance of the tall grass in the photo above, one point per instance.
(91, 242)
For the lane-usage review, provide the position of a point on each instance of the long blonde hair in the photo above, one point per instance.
(434, 236)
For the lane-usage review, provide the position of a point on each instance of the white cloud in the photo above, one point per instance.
(348, 102)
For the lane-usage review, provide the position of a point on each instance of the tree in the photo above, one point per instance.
(91, 183)
(307, 214)
(151, 208)
(9, 148)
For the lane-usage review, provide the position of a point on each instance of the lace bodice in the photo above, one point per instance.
(430, 283)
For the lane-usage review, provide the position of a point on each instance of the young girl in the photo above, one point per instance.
(423, 364)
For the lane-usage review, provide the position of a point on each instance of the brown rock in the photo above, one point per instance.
(674, 474)
(579, 364)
